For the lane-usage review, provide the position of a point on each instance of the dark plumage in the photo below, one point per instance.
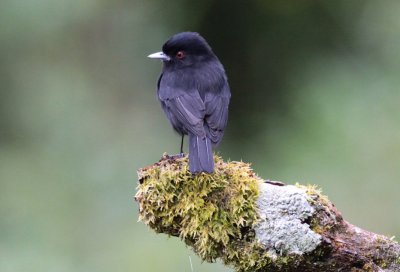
(194, 94)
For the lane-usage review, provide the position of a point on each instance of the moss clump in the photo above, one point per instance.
(212, 213)
(315, 194)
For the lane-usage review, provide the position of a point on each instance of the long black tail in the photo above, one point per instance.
(200, 154)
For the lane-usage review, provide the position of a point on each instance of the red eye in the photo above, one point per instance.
(180, 54)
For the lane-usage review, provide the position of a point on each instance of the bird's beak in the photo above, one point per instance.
(159, 55)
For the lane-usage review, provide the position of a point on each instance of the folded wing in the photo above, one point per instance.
(216, 116)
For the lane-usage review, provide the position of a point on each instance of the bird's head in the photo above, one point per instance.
(184, 49)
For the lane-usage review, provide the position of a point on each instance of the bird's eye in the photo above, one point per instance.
(180, 55)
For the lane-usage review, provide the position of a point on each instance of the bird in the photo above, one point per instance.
(194, 93)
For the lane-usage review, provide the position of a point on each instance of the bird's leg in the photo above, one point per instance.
(183, 135)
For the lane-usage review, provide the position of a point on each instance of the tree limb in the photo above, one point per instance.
(256, 225)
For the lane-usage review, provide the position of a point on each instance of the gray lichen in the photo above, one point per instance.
(281, 228)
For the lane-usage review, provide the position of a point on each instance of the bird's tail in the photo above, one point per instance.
(200, 154)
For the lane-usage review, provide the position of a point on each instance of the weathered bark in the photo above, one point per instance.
(266, 227)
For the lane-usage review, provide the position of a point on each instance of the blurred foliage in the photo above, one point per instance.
(316, 97)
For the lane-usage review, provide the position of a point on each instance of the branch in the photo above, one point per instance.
(256, 225)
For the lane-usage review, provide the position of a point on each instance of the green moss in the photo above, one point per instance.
(212, 213)
(314, 194)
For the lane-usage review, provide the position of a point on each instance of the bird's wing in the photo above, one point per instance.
(216, 117)
(186, 106)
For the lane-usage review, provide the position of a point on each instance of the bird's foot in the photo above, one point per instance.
(176, 156)
(180, 155)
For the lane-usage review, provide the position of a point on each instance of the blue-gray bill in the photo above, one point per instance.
(194, 94)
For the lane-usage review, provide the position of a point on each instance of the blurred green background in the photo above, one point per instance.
(315, 99)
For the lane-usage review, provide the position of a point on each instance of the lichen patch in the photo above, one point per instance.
(281, 228)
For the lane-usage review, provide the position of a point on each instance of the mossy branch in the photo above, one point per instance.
(256, 225)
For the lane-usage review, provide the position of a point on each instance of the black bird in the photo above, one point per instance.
(194, 94)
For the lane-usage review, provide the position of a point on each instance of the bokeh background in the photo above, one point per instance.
(315, 99)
